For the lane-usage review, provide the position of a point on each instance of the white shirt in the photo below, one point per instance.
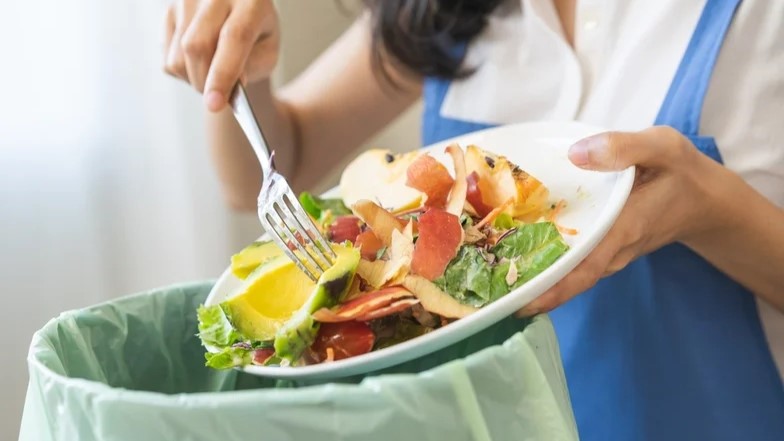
(625, 56)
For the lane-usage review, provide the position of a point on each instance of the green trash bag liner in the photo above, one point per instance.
(133, 370)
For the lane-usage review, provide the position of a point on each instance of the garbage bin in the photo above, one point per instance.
(133, 369)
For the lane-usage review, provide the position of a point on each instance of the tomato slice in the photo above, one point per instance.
(368, 245)
(440, 235)
(431, 178)
(344, 228)
(346, 339)
(474, 195)
(262, 355)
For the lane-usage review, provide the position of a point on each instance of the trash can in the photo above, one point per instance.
(133, 370)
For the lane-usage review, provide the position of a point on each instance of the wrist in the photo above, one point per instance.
(723, 199)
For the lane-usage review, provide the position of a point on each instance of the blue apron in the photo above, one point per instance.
(669, 348)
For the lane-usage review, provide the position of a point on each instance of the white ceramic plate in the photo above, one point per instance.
(594, 201)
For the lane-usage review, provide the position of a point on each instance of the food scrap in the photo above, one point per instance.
(417, 247)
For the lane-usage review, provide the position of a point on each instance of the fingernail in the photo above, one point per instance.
(214, 100)
(580, 152)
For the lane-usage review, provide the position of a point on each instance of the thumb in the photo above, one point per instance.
(656, 147)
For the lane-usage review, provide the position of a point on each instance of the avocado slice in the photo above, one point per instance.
(267, 298)
(299, 332)
(277, 299)
(253, 256)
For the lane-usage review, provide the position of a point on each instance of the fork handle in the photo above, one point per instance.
(243, 112)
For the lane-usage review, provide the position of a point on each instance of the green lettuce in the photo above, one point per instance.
(476, 277)
(534, 247)
(318, 207)
(215, 328)
(230, 357)
(467, 278)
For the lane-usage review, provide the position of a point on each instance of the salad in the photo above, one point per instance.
(420, 243)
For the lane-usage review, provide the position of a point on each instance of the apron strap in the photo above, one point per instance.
(682, 107)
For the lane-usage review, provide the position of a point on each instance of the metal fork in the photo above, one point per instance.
(280, 212)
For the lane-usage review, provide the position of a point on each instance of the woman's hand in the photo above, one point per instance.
(671, 201)
(212, 44)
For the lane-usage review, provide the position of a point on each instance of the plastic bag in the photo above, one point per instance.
(133, 369)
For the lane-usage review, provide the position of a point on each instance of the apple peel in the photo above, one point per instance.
(457, 197)
(394, 308)
(434, 300)
(363, 305)
(380, 221)
(382, 272)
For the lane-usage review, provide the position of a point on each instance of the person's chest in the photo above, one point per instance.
(618, 71)
(615, 72)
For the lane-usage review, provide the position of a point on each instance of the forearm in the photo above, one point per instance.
(748, 243)
(314, 121)
(235, 162)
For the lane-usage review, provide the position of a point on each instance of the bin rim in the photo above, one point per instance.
(212, 398)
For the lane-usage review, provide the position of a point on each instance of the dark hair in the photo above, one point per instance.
(421, 35)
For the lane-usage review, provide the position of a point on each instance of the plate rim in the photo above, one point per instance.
(478, 321)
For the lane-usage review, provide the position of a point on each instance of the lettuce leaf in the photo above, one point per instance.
(533, 247)
(475, 278)
(467, 278)
(318, 207)
(215, 328)
(229, 357)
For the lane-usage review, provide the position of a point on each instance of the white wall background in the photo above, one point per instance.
(105, 184)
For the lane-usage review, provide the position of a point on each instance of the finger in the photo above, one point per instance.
(580, 279)
(612, 151)
(584, 276)
(175, 62)
(237, 37)
(621, 260)
(262, 59)
(168, 33)
(200, 40)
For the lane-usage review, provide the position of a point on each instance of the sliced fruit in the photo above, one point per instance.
(379, 220)
(362, 305)
(500, 180)
(369, 245)
(474, 195)
(394, 308)
(343, 340)
(267, 298)
(400, 252)
(277, 300)
(434, 300)
(355, 290)
(380, 175)
(344, 228)
(457, 196)
(440, 235)
(372, 272)
(297, 334)
(494, 213)
(253, 255)
(431, 178)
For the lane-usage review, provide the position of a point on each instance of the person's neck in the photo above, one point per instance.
(566, 12)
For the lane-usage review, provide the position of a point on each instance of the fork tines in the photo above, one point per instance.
(309, 251)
